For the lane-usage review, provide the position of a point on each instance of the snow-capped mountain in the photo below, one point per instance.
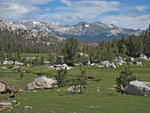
(83, 31)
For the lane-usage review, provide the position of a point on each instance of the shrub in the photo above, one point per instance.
(123, 80)
(61, 77)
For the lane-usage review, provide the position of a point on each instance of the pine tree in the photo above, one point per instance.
(82, 79)
(2, 55)
(51, 58)
(9, 55)
(122, 45)
(71, 48)
(124, 78)
(19, 54)
(61, 77)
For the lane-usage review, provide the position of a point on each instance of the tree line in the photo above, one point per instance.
(131, 46)
(16, 41)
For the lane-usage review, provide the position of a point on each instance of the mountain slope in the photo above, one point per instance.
(95, 32)
(16, 35)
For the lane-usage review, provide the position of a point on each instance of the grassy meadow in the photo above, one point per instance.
(91, 101)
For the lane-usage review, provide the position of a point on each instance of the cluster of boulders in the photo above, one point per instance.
(12, 62)
(10, 105)
(134, 87)
(108, 64)
(120, 60)
(104, 64)
(5, 105)
(48, 83)
(59, 67)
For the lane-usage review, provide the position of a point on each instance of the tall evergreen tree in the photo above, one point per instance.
(122, 45)
(2, 55)
(70, 50)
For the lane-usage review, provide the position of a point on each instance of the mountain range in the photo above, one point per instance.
(83, 31)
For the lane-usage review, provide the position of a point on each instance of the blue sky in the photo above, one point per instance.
(124, 13)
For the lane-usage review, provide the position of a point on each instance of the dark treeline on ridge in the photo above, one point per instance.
(28, 41)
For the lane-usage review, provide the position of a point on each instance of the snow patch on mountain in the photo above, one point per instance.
(36, 23)
(116, 31)
(110, 26)
(87, 25)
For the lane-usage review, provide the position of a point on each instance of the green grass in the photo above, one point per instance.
(34, 54)
(105, 101)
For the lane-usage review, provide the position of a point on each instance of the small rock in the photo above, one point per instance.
(100, 66)
(2, 87)
(34, 91)
(142, 56)
(92, 64)
(98, 89)
(46, 62)
(4, 68)
(5, 108)
(58, 91)
(131, 59)
(16, 68)
(14, 101)
(51, 67)
(27, 107)
(111, 88)
(5, 103)
(138, 63)
(8, 62)
(112, 65)
(18, 63)
(74, 89)
(17, 104)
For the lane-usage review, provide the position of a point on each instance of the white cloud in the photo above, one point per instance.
(67, 2)
(77, 11)
(81, 11)
(128, 21)
(13, 10)
(31, 2)
(141, 8)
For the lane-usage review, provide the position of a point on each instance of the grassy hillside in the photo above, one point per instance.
(105, 101)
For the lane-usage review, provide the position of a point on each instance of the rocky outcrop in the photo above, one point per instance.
(4, 68)
(138, 63)
(142, 56)
(108, 64)
(8, 62)
(131, 59)
(64, 66)
(119, 63)
(16, 68)
(138, 88)
(2, 87)
(42, 83)
(7, 88)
